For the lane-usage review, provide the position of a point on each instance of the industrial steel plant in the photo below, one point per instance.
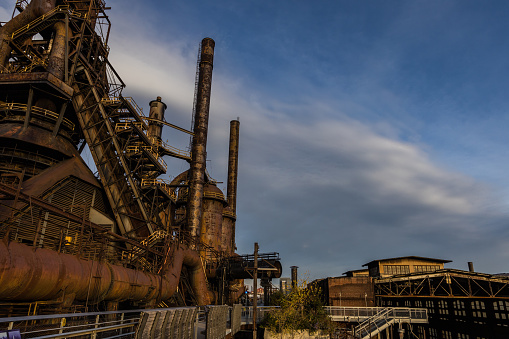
(126, 237)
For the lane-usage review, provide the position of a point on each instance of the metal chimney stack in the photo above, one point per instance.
(471, 266)
(199, 144)
(233, 165)
(294, 276)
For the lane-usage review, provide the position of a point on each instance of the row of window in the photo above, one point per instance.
(478, 308)
(405, 269)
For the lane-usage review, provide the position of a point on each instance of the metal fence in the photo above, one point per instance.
(176, 322)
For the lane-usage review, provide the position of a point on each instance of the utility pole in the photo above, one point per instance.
(255, 287)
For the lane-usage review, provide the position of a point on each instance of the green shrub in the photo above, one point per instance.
(301, 309)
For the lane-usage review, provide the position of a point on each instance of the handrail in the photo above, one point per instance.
(135, 106)
(37, 111)
(60, 8)
(160, 182)
(206, 194)
(138, 149)
(120, 126)
(230, 214)
(160, 143)
(388, 315)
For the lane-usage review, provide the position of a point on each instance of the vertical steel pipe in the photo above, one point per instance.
(56, 60)
(199, 143)
(233, 165)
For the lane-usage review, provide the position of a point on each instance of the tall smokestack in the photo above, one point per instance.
(471, 266)
(199, 144)
(294, 276)
(233, 165)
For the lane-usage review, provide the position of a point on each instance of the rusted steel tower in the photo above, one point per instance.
(123, 236)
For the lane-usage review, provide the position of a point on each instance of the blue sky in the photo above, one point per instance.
(369, 129)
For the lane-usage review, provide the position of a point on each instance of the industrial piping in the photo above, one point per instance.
(40, 274)
(199, 143)
(233, 165)
(56, 60)
(35, 9)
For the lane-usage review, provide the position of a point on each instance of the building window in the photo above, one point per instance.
(501, 308)
(463, 336)
(446, 334)
(430, 305)
(459, 308)
(418, 303)
(433, 333)
(478, 309)
(408, 303)
(396, 269)
(443, 307)
(426, 268)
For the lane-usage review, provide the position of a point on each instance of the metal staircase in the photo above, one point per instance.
(387, 317)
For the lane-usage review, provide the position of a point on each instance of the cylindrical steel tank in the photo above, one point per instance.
(212, 216)
(155, 129)
(228, 232)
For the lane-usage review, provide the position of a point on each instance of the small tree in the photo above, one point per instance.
(301, 309)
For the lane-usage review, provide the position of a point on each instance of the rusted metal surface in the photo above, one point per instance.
(233, 165)
(155, 127)
(35, 9)
(58, 94)
(199, 144)
(56, 60)
(212, 217)
(228, 229)
(40, 274)
(227, 234)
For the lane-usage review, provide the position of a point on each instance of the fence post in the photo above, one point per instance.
(62, 324)
(196, 325)
(122, 322)
(94, 335)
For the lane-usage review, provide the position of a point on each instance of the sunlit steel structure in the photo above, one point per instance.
(122, 238)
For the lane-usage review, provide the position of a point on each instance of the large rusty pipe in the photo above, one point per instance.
(28, 274)
(199, 143)
(35, 9)
(56, 60)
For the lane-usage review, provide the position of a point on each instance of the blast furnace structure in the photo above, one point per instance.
(124, 238)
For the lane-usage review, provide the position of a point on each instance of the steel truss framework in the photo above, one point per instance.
(459, 303)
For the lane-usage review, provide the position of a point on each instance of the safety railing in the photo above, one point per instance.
(70, 325)
(357, 314)
(229, 213)
(184, 195)
(40, 19)
(164, 184)
(386, 317)
(171, 322)
(37, 111)
(261, 311)
(149, 149)
(133, 103)
(171, 149)
(121, 126)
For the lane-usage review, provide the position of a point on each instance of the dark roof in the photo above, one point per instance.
(361, 270)
(409, 257)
